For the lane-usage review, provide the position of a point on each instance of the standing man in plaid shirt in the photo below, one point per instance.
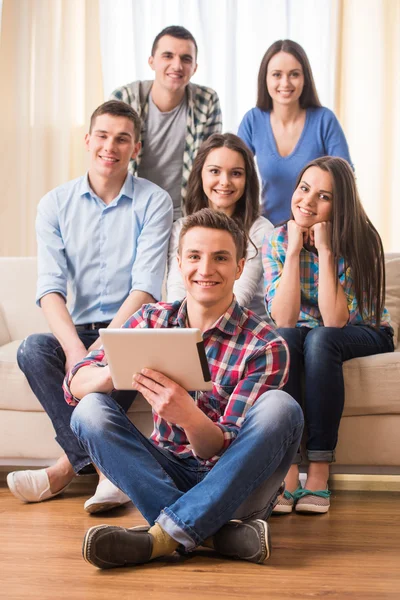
(177, 116)
(213, 456)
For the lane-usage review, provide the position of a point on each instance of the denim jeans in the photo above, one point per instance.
(316, 377)
(191, 501)
(42, 360)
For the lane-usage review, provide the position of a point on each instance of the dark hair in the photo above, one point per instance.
(247, 208)
(117, 108)
(214, 219)
(175, 31)
(354, 237)
(309, 96)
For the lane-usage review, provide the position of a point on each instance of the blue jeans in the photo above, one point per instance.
(188, 500)
(42, 360)
(316, 377)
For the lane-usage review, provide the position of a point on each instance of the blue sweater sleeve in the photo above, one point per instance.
(334, 140)
(245, 131)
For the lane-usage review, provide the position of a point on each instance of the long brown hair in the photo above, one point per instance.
(247, 208)
(354, 237)
(309, 96)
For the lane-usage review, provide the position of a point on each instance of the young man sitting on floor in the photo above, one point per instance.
(213, 456)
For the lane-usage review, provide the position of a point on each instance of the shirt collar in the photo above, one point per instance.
(125, 191)
(228, 323)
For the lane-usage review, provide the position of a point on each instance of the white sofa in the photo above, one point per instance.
(369, 439)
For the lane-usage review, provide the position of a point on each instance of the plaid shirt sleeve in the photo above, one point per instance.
(273, 258)
(266, 370)
(214, 117)
(123, 94)
(96, 358)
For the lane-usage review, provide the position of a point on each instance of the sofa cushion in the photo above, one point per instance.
(372, 385)
(16, 393)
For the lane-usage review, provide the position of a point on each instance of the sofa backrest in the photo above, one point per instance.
(18, 311)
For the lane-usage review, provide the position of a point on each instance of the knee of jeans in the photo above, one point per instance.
(30, 348)
(320, 339)
(277, 405)
(88, 415)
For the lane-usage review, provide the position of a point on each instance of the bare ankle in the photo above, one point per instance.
(318, 475)
(60, 474)
(292, 478)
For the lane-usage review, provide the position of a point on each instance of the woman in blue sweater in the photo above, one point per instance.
(289, 127)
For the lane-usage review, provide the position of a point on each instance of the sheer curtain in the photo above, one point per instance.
(50, 71)
(368, 105)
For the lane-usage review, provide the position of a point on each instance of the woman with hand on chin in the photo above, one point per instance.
(325, 290)
(289, 127)
(224, 178)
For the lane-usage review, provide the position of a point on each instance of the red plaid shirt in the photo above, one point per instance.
(246, 358)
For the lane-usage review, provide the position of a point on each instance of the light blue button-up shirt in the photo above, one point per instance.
(102, 251)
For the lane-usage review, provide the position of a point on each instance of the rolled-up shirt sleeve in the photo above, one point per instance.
(97, 358)
(152, 247)
(266, 370)
(52, 262)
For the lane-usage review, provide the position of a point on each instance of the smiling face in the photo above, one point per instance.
(209, 266)
(224, 179)
(285, 79)
(111, 144)
(174, 63)
(312, 199)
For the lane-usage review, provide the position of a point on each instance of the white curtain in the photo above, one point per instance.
(232, 36)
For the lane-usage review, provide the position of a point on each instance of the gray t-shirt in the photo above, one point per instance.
(163, 142)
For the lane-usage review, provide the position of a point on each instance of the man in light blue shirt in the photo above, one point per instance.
(105, 235)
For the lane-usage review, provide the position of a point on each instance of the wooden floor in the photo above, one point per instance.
(352, 552)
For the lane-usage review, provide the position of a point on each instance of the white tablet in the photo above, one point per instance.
(177, 353)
